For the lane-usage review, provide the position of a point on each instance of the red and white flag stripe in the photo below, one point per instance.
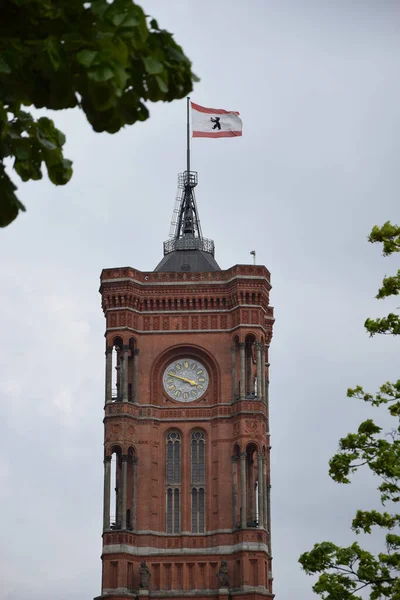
(215, 122)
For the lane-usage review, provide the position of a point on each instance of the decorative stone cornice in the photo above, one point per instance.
(216, 550)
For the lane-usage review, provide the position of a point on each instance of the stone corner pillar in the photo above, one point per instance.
(259, 369)
(107, 493)
(233, 356)
(234, 460)
(108, 390)
(260, 489)
(125, 349)
(243, 490)
(123, 486)
(136, 353)
(135, 461)
(242, 382)
(263, 392)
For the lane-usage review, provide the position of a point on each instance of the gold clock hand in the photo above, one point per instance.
(191, 381)
(177, 377)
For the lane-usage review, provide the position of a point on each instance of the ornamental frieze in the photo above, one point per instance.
(185, 322)
(148, 277)
(191, 542)
(122, 431)
(135, 410)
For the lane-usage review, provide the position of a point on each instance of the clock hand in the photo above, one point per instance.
(178, 377)
(191, 381)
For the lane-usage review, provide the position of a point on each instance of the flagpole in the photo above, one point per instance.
(187, 137)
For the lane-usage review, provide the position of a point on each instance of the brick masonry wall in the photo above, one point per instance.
(168, 316)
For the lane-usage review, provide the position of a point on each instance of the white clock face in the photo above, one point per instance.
(185, 379)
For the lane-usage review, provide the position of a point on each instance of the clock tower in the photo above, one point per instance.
(187, 439)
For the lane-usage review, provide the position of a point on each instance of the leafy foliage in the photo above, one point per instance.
(105, 57)
(389, 236)
(346, 571)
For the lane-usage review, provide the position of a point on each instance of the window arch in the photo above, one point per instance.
(173, 481)
(198, 480)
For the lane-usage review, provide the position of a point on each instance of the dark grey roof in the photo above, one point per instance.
(188, 260)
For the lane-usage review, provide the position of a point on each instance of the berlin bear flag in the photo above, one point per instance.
(215, 122)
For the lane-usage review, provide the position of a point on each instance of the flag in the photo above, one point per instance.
(215, 122)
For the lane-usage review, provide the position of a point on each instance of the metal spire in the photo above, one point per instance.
(185, 232)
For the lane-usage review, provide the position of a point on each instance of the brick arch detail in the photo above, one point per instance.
(113, 447)
(250, 443)
(248, 332)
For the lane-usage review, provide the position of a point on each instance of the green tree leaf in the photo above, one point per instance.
(4, 67)
(101, 73)
(105, 57)
(87, 57)
(161, 84)
(153, 65)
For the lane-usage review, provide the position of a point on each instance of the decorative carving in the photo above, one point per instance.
(175, 323)
(156, 323)
(195, 322)
(254, 316)
(251, 426)
(113, 320)
(224, 322)
(214, 322)
(146, 323)
(122, 319)
(129, 320)
(144, 576)
(222, 575)
(165, 323)
(185, 322)
(116, 428)
(131, 430)
(204, 322)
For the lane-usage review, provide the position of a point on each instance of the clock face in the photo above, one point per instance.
(185, 379)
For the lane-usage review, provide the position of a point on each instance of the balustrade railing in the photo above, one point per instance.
(189, 243)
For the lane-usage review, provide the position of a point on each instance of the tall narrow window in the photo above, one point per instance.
(173, 476)
(198, 481)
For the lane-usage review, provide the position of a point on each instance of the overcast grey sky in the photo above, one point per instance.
(317, 85)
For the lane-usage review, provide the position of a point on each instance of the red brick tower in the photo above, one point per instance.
(186, 450)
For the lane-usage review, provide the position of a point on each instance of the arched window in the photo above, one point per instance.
(198, 481)
(173, 469)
